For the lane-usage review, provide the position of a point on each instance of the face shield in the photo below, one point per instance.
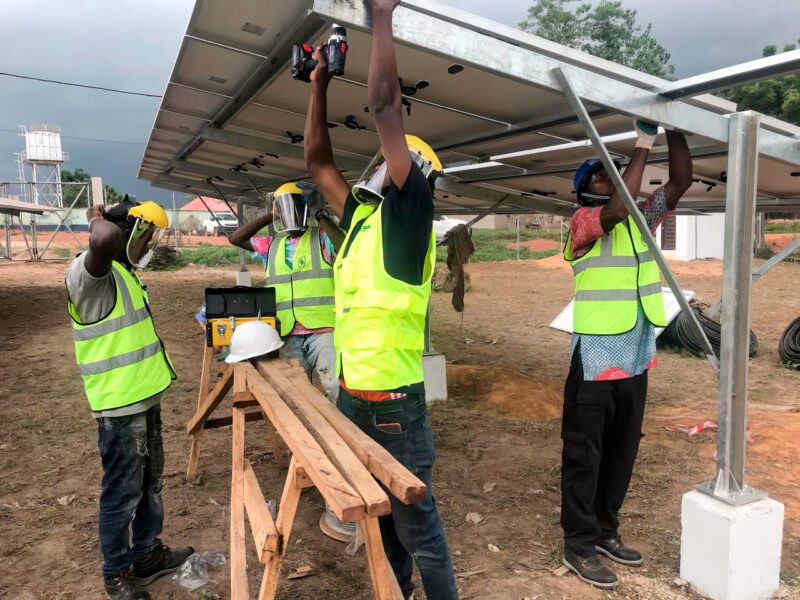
(142, 242)
(290, 213)
(370, 190)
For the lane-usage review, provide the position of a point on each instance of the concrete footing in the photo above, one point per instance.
(435, 368)
(731, 552)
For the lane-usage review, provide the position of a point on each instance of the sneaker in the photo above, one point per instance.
(124, 587)
(160, 561)
(617, 551)
(590, 570)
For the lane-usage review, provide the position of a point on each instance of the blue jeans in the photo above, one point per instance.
(317, 354)
(411, 532)
(133, 468)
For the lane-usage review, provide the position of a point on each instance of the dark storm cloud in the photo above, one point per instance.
(128, 44)
(132, 44)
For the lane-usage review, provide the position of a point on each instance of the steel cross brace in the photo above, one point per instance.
(63, 222)
(763, 269)
(633, 211)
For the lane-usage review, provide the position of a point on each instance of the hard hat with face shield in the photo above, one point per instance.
(289, 209)
(583, 177)
(370, 190)
(149, 224)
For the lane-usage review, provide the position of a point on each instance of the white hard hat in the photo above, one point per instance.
(251, 339)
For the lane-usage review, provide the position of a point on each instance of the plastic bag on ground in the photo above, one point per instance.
(193, 573)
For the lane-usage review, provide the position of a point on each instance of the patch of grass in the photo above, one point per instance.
(213, 256)
(491, 245)
(782, 227)
(764, 252)
(62, 252)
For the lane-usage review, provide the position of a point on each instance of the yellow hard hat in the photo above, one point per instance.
(419, 146)
(288, 188)
(150, 212)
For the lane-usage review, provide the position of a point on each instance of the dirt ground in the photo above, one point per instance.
(498, 444)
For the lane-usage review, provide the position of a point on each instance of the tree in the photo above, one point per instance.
(779, 97)
(78, 175)
(607, 30)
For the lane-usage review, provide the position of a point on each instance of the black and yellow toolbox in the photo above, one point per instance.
(227, 308)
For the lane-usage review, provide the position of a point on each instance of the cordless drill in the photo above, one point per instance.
(303, 63)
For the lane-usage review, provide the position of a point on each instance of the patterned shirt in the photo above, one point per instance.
(609, 357)
(261, 249)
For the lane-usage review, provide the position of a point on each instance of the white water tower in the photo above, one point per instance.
(40, 165)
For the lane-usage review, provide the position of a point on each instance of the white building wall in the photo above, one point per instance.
(696, 237)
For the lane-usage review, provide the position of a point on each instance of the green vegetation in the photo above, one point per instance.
(78, 175)
(213, 256)
(492, 244)
(62, 252)
(764, 252)
(782, 227)
(605, 29)
(779, 97)
(204, 255)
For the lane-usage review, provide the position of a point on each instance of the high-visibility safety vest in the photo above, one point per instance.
(380, 320)
(121, 358)
(304, 291)
(616, 274)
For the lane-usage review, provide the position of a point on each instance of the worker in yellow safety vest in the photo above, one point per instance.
(125, 369)
(618, 305)
(383, 284)
(299, 260)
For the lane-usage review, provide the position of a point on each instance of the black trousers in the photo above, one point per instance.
(601, 429)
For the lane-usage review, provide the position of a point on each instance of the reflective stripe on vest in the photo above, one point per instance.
(380, 320)
(303, 292)
(121, 358)
(616, 274)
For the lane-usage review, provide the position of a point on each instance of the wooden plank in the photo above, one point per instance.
(286, 514)
(265, 534)
(205, 377)
(211, 402)
(238, 550)
(384, 583)
(375, 499)
(345, 502)
(218, 422)
(403, 484)
(242, 398)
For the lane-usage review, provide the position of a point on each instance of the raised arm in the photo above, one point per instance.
(680, 168)
(317, 141)
(616, 211)
(332, 230)
(241, 237)
(106, 242)
(384, 95)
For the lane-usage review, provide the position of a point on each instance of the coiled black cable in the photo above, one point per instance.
(789, 346)
(680, 334)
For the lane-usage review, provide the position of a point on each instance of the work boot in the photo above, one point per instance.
(617, 551)
(590, 570)
(124, 587)
(159, 561)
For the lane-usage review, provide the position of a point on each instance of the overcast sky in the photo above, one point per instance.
(132, 44)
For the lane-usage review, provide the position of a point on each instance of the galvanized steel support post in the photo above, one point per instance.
(729, 484)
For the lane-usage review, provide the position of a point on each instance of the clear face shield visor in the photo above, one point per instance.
(290, 213)
(370, 190)
(142, 243)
